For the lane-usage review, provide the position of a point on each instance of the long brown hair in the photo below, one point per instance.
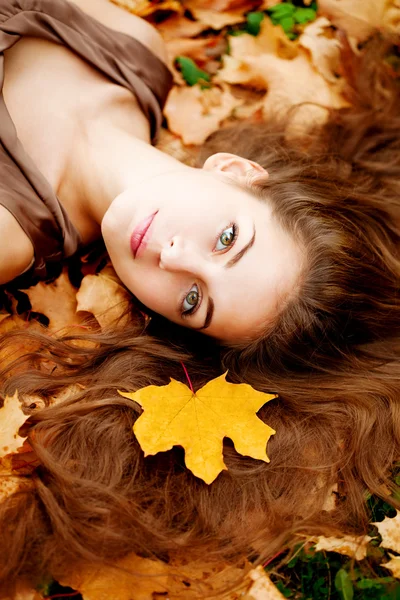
(332, 355)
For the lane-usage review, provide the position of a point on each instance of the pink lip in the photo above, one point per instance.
(138, 241)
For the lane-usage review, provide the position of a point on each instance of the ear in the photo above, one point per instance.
(237, 167)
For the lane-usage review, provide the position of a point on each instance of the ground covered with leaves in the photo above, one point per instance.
(232, 60)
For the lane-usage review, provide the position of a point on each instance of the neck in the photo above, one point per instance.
(111, 161)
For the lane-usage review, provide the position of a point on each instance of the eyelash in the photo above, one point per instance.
(191, 312)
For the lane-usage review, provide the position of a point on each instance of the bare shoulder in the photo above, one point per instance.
(16, 249)
(121, 20)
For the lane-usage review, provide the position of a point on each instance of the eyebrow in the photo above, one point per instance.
(209, 315)
(229, 264)
(241, 252)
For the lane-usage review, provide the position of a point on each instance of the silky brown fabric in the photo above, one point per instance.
(24, 191)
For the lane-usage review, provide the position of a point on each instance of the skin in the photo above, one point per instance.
(189, 249)
(109, 178)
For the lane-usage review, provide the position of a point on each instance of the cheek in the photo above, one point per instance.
(156, 291)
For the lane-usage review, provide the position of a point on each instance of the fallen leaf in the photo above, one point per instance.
(132, 573)
(390, 532)
(178, 26)
(291, 83)
(360, 18)
(355, 547)
(10, 483)
(172, 144)
(223, 5)
(271, 39)
(194, 114)
(173, 415)
(103, 297)
(270, 3)
(144, 8)
(57, 301)
(324, 50)
(262, 587)
(24, 593)
(144, 579)
(11, 419)
(200, 579)
(215, 19)
(11, 322)
(393, 565)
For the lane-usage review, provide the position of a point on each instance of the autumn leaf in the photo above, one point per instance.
(103, 296)
(393, 565)
(11, 419)
(178, 26)
(218, 19)
(324, 48)
(175, 416)
(144, 8)
(57, 301)
(360, 18)
(390, 532)
(194, 114)
(262, 587)
(353, 546)
(143, 575)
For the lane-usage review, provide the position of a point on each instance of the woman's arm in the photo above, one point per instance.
(121, 20)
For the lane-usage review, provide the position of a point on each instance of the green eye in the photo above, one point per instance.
(226, 238)
(191, 300)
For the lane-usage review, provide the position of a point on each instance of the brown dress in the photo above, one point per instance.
(24, 191)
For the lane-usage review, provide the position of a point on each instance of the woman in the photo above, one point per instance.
(295, 272)
(109, 180)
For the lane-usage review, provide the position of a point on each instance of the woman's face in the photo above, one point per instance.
(213, 258)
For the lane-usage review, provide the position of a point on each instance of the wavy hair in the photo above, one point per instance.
(332, 355)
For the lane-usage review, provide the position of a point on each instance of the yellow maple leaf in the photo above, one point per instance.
(175, 416)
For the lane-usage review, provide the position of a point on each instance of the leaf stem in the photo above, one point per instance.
(187, 377)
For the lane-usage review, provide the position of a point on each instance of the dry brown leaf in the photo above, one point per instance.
(18, 347)
(355, 547)
(172, 144)
(393, 565)
(325, 50)
(178, 26)
(141, 575)
(217, 20)
(57, 301)
(271, 39)
(194, 114)
(262, 587)
(144, 8)
(293, 82)
(10, 322)
(269, 3)
(103, 296)
(359, 18)
(207, 580)
(152, 580)
(11, 419)
(223, 5)
(10, 483)
(24, 593)
(390, 532)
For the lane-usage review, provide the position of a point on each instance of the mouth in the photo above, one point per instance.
(141, 235)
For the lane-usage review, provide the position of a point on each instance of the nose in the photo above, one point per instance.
(183, 256)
